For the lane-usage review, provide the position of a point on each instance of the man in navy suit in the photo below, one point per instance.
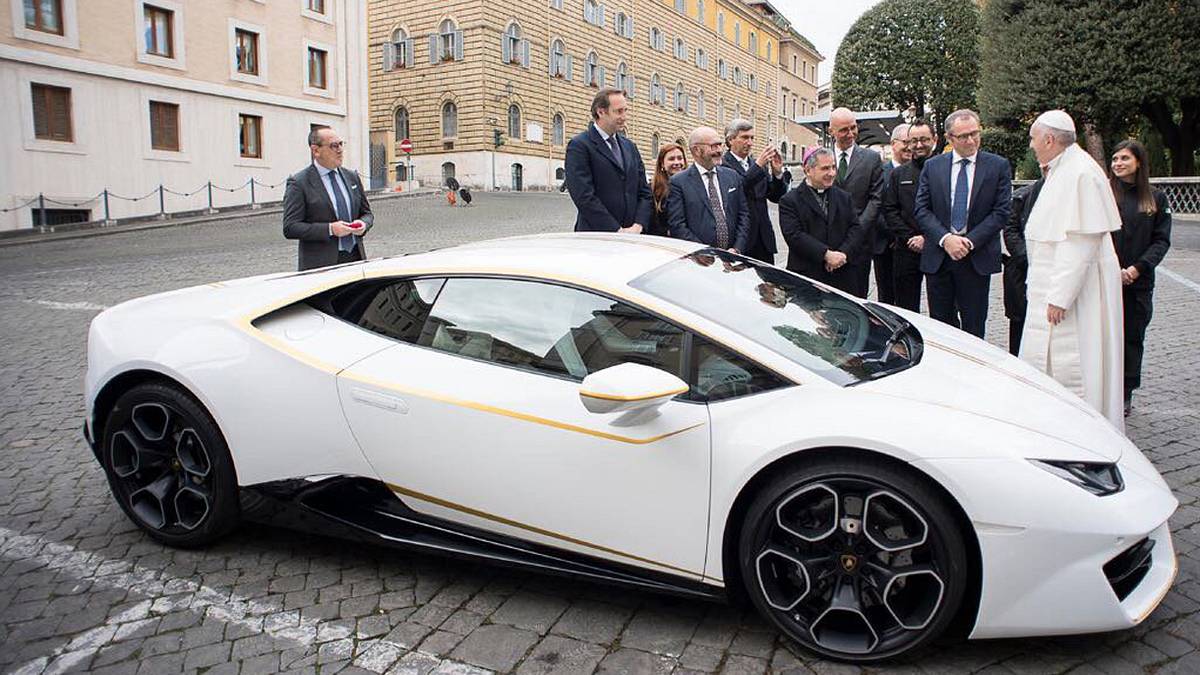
(963, 202)
(821, 227)
(707, 203)
(763, 179)
(605, 174)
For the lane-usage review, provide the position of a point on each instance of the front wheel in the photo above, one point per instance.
(853, 558)
(168, 466)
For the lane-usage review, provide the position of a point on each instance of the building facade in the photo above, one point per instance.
(797, 94)
(128, 95)
(457, 77)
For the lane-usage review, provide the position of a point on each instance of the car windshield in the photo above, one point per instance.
(842, 340)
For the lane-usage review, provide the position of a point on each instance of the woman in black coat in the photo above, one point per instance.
(670, 161)
(1141, 243)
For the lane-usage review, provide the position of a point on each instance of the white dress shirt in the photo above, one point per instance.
(716, 181)
(340, 181)
(849, 152)
(955, 168)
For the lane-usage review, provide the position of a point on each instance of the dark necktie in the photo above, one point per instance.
(343, 212)
(958, 210)
(714, 200)
(841, 175)
(616, 149)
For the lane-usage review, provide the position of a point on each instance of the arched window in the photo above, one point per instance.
(656, 89)
(721, 111)
(590, 70)
(514, 122)
(722, 69)
(721, 23)
(794, 116)
(623, 79)
(558, 59)
(753, 84)
(591, 12)
(447, 172)
(737, 33)
(771, 51)
(622, 26)
(783, 148)
(401, 49)
(753, 43)
(447, 33)
(511, 47)
(680, 97)
(449, 119)
(401, 123)
(701, 58)
(737, 75)
(559, 131)
(654, 146)
(680, 49)
(518, 177)
(700, 104)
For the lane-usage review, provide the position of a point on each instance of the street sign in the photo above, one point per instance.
(406, 146)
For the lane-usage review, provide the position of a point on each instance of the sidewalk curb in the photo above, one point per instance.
(100, 230)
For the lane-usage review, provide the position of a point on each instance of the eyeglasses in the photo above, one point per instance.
(336, 145)
(972, 135)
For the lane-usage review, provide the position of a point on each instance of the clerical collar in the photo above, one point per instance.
(814, 188)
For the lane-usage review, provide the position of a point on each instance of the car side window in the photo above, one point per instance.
(719, 373)
(547, 328)
(394, 308)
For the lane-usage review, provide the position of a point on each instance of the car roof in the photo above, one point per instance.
(600, 258)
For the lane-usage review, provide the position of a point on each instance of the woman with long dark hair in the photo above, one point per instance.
(1141, 243)
(671, 160)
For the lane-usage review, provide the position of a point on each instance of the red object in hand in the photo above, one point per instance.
(356, 225)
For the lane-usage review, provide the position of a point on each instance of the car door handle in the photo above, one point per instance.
(375, 399)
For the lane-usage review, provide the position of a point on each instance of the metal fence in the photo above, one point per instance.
(41, 204)
(1183, 194)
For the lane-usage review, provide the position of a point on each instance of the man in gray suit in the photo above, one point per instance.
(325, 206)
(707, 203)
(859, 172)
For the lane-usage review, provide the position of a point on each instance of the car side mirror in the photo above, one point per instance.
(628, 386)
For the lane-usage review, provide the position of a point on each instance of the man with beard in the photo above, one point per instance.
(898, 197)
(707, 203)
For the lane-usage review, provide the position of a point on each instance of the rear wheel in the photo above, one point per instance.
(853, 558)
(168, 466)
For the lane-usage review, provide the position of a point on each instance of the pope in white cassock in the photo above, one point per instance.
(1073, 326)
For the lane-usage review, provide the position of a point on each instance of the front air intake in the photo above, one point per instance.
(1127, 570)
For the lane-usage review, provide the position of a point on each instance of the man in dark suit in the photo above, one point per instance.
(820, 227)
(1016, 262)
(899, 195)
(707, 203)
(859, 172)
(762, 179)
(605, 174)
(963, 201)
(885, 244)
(325, 206)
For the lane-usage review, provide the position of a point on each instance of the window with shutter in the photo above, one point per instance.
(52, 113)
(159, 28)
(164, 126)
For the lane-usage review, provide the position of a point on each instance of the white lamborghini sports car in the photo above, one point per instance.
(642, 411)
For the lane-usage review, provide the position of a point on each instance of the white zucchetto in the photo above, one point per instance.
(1056, 119)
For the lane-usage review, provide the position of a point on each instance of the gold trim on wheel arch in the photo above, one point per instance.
(531, 528)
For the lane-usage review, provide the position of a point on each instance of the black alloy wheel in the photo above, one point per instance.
(853, 559)
(168, 466)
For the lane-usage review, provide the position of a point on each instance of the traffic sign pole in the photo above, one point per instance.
(406, 147)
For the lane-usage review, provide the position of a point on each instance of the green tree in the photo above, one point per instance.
(1109, 63)
(919, 54)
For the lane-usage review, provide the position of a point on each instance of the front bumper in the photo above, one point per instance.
(1044, 545)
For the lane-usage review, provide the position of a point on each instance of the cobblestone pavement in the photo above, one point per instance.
(81, 589)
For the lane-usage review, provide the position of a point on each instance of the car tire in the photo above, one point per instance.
(853, 558)
(168, 466)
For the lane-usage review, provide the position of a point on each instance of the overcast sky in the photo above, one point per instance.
(825, 23)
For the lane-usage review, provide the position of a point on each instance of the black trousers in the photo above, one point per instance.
(1015, 301)
(348, 256)
(760, 253)
(906, 271)
(1016, 327)
(885, 277)
(1139, 307)
(958, 295)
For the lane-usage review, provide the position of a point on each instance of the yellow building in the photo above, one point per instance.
(132, 94)
(456, 76)
(797, 94)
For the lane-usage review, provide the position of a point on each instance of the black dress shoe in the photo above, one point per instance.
(1128, 403)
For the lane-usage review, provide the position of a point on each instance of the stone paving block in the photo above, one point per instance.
(634, 662)
(462, 622)
(495, 647)
(208, 655)
(266, 664)
(750, 643)
(700, 658)
(659, 632)
(415, 663)
(593, 622)
(408, 635)
(529, 611)
(128, 668)
(440, 643)
(561, 656)
(743, 665)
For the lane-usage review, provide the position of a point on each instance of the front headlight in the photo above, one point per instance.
(1100, 479)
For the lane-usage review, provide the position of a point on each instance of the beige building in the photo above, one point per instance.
(127, 95)
(455, 76)
(797, 93)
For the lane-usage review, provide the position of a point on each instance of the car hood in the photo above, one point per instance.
(964, 373)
